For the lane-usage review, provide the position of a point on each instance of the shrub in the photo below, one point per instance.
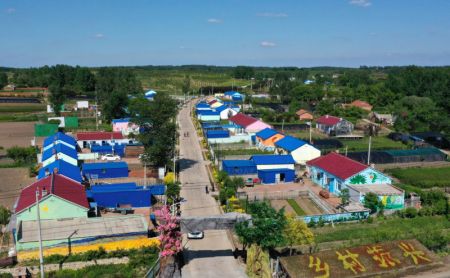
(22, 155)
(433, 240)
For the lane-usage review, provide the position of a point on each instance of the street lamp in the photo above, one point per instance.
(173, 206)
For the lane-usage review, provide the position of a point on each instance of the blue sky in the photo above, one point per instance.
(225, 32)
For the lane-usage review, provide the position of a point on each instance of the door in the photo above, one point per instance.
(277, 178)
(282, 177)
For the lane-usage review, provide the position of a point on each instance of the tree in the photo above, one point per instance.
(22, 155)
(5, 214)
(372, 202)
(186, 86)
(172, 191)
(418, 114)
(115, 107)
(265, 227)
(156, 119)
(345, 196)
(3, 80)
(242, 72)
(297, 232)
(57, 98)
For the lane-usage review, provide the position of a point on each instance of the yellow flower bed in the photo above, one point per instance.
(108, 246)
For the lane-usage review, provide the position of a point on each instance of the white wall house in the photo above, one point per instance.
(300, 150)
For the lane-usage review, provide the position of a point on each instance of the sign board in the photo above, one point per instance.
(161, 173)
(83, 104)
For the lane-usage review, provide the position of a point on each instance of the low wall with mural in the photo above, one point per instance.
(336, 217)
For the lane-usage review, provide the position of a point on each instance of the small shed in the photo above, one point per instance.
(105, 170)
(276, 176)
(391, 196)
(275, 168)
(239, 167)
(117, 149)
(267, 137)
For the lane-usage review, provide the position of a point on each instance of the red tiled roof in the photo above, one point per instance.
(338, 165)
(242, 120)
(328, 120)
(54, 184)
(212, 102)
(302, 111)
(360, 103)
(100, 135)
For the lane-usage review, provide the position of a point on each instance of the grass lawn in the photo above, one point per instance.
(304, 135)
(378, 143)
(426, 229)
(296, 207)
(423, 177)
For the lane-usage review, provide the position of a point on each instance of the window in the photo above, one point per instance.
(104, 171)
(339, 185)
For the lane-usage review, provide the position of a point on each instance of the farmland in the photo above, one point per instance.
(21, 107)
(378, 143)
(426, 229)
(13, 179)
(423, 177)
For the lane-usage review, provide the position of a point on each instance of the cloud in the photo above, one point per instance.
(267, 44)
(272, 14)
(10, 10)
(360, 3)
(214, 20)
(99, 36)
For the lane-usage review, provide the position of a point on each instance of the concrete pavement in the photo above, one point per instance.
(211, 256)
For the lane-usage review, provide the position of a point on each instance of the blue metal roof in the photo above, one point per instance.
(208, 113)
(60, 148)
(104, 165)
(221, 108)
(157, 189)
(202, 105)
(290, 143)
(238, 163)
(266, 133)
(201, 112)
(231, 93)
(64, 168)
(150, 93)
(114, 187)
(59, 136)
(272, 159)
(123, 120)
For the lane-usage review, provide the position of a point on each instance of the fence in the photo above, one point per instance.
(274, 195)
(336, 217)
(154, 270)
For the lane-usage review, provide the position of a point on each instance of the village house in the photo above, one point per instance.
(208, 115)
(274, 168)
(244, 123)
(125, 126)
(300, 150)
(387, 119)
(233, 95)
(59, 138)
(226, 112)
(61, 167)
(60, 152)
(304, 115)
(267, 137)
(334, 126)
(105, 170)
(150, 95)
(360, 104)
(335, 172)
(86, 139)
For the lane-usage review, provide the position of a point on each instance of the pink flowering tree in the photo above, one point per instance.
(170, 236)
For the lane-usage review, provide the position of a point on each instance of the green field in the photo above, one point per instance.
(423, 177)
(22, 107)
(378, 143)
(298, 210)
(426, 229)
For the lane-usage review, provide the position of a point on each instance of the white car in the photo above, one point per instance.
(110, 157)
(196, 235)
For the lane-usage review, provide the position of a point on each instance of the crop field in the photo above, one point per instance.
(22, 107)
(299, 206)
(13, 179)
(17, 134)
(378, 143)
(171, 80)
(423, 177)
(421, 228)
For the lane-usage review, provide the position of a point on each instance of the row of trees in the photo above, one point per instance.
(157, 121)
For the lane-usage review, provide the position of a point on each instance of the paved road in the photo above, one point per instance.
(211, 256)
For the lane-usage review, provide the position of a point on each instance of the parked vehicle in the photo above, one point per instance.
(110, 157)
(196, 235)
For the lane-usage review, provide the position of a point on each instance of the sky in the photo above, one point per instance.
(302, 33)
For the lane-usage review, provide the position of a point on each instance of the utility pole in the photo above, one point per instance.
(368, 153)
(145, 173)
(310, 132)
(282, 127)
(175, 150)
(96, 111)
(41, 256)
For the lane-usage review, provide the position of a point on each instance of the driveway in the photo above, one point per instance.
(211, 256)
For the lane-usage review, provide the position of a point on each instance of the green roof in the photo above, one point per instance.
(422, 151)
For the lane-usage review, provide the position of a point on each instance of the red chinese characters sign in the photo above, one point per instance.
(360, 261)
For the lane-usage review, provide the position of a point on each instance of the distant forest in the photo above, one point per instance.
(419, 96)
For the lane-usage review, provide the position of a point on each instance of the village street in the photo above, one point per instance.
(211, 256)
